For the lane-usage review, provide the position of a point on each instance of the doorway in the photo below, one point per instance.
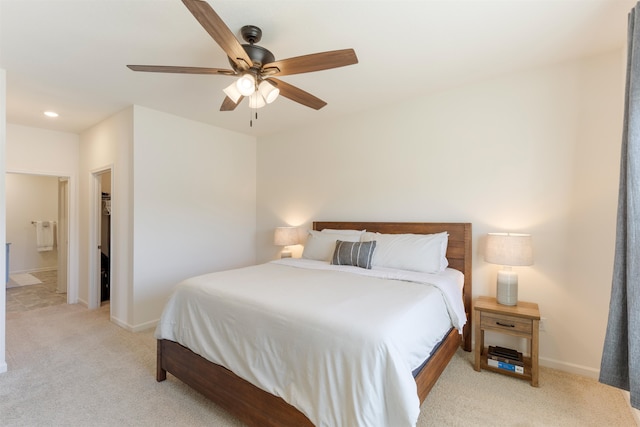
(102, 237)
(37, 270)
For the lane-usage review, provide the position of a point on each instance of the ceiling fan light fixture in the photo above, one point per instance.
(246, 84)
(256, 101)
(268, 91)
(232, 92)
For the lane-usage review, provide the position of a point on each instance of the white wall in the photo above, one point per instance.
(532, 152)
(30, 198)
(183, 203)
(194, 205)
(49, 153)
(108, 144)
(3, 295)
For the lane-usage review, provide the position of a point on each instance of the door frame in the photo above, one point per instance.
(72, 246)
(63, 235)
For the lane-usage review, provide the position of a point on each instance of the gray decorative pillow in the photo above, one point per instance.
(358, 254)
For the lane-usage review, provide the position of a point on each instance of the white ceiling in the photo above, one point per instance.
(70, 55)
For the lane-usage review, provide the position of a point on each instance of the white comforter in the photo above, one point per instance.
(338, 346)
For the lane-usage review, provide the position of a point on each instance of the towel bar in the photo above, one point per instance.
(45, 224)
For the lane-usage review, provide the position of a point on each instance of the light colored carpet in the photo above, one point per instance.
(71, 367)
(22, 279)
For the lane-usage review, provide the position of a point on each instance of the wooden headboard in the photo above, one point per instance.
(459, 249)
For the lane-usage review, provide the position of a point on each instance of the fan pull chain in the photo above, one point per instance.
(251, 119)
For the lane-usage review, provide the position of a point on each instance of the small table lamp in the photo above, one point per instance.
(508, 249)
(286, 236)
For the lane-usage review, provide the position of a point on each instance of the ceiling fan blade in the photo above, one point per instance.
(219, 31)
(181, 70)
(229, 105)
(314, 62)
(298, 95)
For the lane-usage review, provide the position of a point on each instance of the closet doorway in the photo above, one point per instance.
(101, 225)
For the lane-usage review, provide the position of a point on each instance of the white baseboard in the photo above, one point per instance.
(572, 368)
(3, 367)
(145, 326)
(137, 328)
(123, 325)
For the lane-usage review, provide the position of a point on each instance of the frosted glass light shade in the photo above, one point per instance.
(246, 84)
(232, 92)
(256, 100)
(268, 91)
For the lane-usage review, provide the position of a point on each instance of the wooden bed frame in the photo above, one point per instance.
(256, 407)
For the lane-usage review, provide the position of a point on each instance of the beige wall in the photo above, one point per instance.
(194, 201)
(108, 145)
(44, 152)
(30, 198)
(531, 152)
(194, 205)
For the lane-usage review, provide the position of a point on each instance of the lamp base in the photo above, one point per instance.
(507, 288)
(285, 254)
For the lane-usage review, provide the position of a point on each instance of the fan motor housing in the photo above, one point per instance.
(259, 55)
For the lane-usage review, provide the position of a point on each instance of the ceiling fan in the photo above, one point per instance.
(255, 66)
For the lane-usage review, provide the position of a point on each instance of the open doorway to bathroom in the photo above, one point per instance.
(37, 235)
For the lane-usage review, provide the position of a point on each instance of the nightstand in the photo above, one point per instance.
(521, 320)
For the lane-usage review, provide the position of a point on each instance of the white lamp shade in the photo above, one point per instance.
(232, 92)
(509, 249)
(268, 91)
(246, 84)
(285, 236)
(256, 100)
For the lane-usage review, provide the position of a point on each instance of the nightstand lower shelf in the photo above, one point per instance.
(484, 364)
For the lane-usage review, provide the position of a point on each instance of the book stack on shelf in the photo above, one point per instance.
(505, 358)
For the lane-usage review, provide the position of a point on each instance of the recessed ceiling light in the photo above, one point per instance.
(51, 114)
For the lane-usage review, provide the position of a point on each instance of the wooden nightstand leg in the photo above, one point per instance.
(479, 338)
(534, 353)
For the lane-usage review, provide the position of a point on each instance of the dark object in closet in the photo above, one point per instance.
(104, 276)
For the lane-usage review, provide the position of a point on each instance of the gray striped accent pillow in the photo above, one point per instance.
(358, 254)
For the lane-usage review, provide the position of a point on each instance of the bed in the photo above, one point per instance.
(257, 407)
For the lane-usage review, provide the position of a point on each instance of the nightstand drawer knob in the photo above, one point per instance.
(508, 325)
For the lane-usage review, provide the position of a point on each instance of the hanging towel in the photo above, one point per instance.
(44, 235)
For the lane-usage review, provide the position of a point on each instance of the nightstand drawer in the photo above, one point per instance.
(506, 323)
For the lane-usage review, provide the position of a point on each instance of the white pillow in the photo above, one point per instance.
(368, 236)
(415, 252)
(320, 246)
(336, 231)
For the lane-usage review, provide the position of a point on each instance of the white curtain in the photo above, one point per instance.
(620, 365)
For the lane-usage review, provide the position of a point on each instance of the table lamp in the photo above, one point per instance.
(508, 249)
(286, 236)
